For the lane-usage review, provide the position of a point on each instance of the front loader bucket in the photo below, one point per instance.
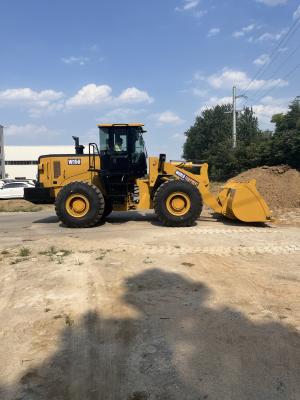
(243, 202)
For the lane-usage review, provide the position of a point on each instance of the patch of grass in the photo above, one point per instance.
(24, 252)
(64, 252)
(103, 253)
(69, 321)
(53, 251)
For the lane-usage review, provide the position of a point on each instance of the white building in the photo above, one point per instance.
(21, 161)
(2, 165)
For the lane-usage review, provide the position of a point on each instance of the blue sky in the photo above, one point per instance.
(68, 65)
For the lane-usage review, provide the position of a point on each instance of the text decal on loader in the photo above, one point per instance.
(74, 161)
(184, 177)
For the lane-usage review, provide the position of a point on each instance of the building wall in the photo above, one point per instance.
(2, 164)
(21, 161)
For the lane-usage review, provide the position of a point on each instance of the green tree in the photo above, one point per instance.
(285, 146)
(210, 140)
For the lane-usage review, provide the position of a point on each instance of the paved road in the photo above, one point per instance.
(43, 223)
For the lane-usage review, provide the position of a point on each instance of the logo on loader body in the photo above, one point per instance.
(186, 178)
(74, 161)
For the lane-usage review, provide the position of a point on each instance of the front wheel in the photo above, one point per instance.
(177, 203)
(80, 205)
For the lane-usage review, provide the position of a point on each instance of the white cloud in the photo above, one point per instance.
(296, 14)
(134, 95)
(48, 101)
(243, 31)
(238, 34)
(213, 32)
(168, 118)
(28, 131)
(91, 94)
(228, 78)
(191, 6)
(272, 36)
(188, 5)
(27, 95)
(249, 28)
(262, 60)
(75, 60)
(269, 106)
(272, 3)
(37, 102)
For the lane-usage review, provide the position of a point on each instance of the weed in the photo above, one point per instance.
(64, 252)
(187, 264)
(24, 252)
(53, 251)
(68, 320)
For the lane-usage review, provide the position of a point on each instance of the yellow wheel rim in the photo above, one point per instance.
(77, 205)
(178, 203)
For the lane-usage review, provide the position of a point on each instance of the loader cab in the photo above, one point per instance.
(122, 150)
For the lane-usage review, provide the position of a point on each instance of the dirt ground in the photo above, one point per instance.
(131, 310)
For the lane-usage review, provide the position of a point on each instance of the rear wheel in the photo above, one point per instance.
(177, 203)
(79, 205)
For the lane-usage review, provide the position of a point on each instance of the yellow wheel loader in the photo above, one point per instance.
(118, 176)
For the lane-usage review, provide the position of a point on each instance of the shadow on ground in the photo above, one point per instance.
(128, 216)
(179, 348)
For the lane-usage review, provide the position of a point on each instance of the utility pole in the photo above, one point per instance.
(234, 116)
(234, 113)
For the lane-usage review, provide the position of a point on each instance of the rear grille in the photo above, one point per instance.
(56, 169)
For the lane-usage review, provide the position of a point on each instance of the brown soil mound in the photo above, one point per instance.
(19, 205)
(279, 185)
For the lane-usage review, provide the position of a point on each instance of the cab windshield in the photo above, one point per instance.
(121, 139)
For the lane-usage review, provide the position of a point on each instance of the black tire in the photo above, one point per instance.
(188, 191)
(96, 205)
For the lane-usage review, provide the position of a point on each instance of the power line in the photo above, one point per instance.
(285, 77)
(277, 69)
(282, 42)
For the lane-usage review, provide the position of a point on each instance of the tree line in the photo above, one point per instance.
(210, 140)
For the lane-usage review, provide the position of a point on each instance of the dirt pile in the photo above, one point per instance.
(279, 185)
(19, 205)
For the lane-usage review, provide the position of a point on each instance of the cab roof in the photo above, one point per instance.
(109, 125)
